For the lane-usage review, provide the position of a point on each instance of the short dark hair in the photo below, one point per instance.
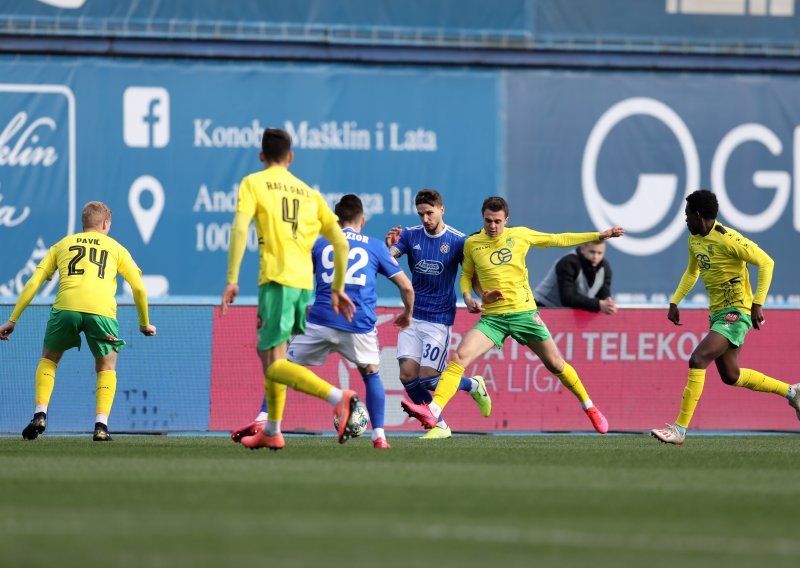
(428, 197)
(495, 203)
(275, 144)
(703, 202)
(349, 208)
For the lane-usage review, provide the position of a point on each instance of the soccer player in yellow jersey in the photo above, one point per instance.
(497, 255)
(289, 215)
(87, 265)
(721, 255)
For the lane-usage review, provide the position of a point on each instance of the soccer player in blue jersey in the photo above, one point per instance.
(435, 251)
(356, 340)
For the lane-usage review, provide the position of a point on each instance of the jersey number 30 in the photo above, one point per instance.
(359, 255)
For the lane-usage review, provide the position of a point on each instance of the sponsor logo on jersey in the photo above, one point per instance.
(703, 261)
(732, 317)
(501, 256)
(429, 267)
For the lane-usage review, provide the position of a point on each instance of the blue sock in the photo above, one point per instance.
(465, 384)
(264, 405)
(429, 382)
(376, 399)
(417, 392)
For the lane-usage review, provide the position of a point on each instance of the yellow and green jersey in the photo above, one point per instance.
(721, 258)
(500, 264)
(289, 216)
(87, 264)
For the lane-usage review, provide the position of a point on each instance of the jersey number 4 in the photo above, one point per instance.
(359, 255)
(290, 217)
(80, 252)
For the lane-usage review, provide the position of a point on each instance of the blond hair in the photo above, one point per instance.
(94, 213)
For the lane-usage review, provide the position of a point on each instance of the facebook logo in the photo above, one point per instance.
(146, 117)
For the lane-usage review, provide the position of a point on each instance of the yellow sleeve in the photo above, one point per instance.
(331, 230)
(751, 253)
(467, 270)
(132, 274)
(544, 240)
(341, 248)
(245, 209)
(688, 280)
(43, 272)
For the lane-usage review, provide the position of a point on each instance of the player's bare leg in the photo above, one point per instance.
(548, 352)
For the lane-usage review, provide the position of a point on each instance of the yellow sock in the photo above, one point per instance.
(45, 380)
(569, 378)
(448, 384)
(106, 387)
(299, 378)
(276, 398)
(691, 394)
(755, 381)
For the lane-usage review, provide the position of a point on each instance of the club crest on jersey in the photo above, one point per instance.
(445, 248)
(510, 242)
(732, 317)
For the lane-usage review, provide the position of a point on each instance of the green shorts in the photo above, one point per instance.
(732, 323)
(281, 313)
(522, 326)
(64, 332)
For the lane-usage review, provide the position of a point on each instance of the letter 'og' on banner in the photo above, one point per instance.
(37, 178)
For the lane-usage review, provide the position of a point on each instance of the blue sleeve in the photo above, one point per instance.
(460, 249)
(402, 244)
(387, 265)
(316, 252)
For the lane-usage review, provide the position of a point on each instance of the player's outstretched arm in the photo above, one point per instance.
(6, 329)
(342, 304)
(757, 316)
(473, 305)
(392, 238)
(133, 276)
(28, 292)
(674, 314)
(148, 330)
(229, 296)
(403, 320)
(611, 233)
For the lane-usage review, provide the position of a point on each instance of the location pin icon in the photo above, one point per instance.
(146, 219)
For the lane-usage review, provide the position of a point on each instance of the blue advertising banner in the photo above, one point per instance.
(603, 149)
(165, 144)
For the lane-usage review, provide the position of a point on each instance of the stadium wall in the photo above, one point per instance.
(165, 142)
(200, 373)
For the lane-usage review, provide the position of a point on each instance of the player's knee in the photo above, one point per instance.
(698, 361)
(729, 377)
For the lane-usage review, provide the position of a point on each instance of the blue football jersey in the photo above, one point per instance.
(368, 257)
(433, 261)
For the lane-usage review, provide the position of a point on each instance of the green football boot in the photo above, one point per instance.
(481, 397)
(437, 433)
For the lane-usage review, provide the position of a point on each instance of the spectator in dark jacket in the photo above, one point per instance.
(580, 279)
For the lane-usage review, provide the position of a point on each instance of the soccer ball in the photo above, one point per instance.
(359, 421)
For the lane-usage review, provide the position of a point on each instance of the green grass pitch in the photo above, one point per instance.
(484, 501)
